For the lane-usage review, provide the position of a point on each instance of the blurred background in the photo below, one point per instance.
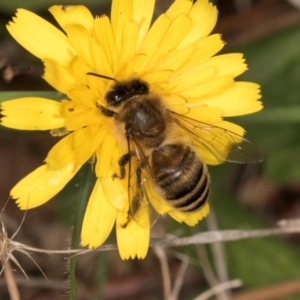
(243, 196)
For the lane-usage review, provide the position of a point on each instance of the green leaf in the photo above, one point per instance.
(12, 5)
(285, 114)
(4, 96)
(101, 274)
(258, 261)
(283, 165)
(274, 62)
(84, 183)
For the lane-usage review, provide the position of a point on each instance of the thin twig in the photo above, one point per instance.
(295, 3)
(208, 271)
(161, 254)
(179, 279)
(226, 236)
(217, 289)
(208, 237)
(11, 282)
(37, 282)
(218, 253)
(279, 290)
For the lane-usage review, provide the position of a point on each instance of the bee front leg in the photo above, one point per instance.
(106, 112)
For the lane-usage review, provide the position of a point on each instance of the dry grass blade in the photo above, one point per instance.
(7, 246)
(208, 237)
(161, 255)
(218, 253)
(295, 3)
(286, 227)
(179, 279)
(169, 292)
(5, 255)
(11, 282)
(207, 268)
(217, 289)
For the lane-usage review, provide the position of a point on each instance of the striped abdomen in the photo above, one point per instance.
(181, 177)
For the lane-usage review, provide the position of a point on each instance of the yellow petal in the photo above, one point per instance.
(205, 114)
(221, 62)
(133, 240)
(80, 39)
(98, 87)
(68, 14)
(79, 69)
(129, 42)
(174, 102)
(83, 95)
(194, 217)
(239, 99)
(41, 185)
(100, 59)
(142, 12)
(189, 78)
(117, 153)
(78, 116)
(99, 218)
(176, 58)
(121, 12)
(159, 204)
(205, 49)
(208, 85)
(190, 219)
(61, 154)
(104, 35)
(179, 7)
(115, 191)
(105, 157)
(130, 23)
(30, 113)
(58, 76)
(163, 37)
(40, 37)
(208, 88)
(157, 76)
(85, 142)
(152, 41)
(204, 17)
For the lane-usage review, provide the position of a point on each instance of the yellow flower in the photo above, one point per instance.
(175, 56)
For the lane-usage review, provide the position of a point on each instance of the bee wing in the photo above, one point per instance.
(138, 204)
(222, 143)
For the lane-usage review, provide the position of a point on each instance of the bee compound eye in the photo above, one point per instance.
(122, 91)
(117, 97)
(114, 98)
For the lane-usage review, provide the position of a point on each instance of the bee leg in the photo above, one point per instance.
(138, 197)
(123, 161)
(107, 112)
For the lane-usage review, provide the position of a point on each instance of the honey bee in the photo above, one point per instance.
(162, 147)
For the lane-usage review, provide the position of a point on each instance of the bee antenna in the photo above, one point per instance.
(101, 76)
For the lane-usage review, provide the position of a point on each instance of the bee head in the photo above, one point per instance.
(124, 90)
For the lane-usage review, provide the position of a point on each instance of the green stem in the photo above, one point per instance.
(87, 183)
